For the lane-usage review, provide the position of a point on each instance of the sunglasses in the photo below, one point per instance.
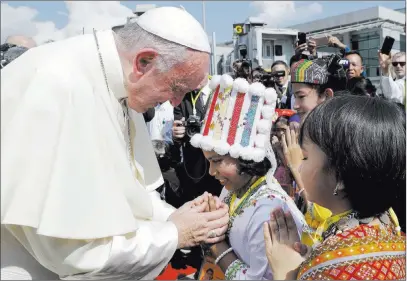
(402, 63)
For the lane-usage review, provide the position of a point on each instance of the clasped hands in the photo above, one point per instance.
(284, 250)
(203, 220)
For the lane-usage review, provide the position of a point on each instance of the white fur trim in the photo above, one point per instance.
(260, 140)
(222, 148)
(258, 154)
(246, 153)
(235, 150)
(270, 96)
(263, 126)
(241, 85)
(207, 143)
(215, 81)
(196, 140)
(267, 112)
(257, 89)
(226, 81)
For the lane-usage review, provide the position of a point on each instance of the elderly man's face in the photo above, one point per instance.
(399, 64)
(148, 86)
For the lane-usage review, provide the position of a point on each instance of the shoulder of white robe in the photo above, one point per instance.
(65, 170)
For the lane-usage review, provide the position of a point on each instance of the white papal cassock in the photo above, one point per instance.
(70, 205)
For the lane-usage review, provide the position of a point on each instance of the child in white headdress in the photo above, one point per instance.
(235, 138)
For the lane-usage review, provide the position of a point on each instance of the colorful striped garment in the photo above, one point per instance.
(364, 252)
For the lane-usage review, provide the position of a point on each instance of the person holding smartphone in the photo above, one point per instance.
(393, 89)
(302, 45)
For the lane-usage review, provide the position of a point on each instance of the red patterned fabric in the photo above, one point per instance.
(235, 118)
(362, 253)
(211, 110)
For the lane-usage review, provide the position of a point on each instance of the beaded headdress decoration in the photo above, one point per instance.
(238, 119)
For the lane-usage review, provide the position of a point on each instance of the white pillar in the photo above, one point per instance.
(214, 63)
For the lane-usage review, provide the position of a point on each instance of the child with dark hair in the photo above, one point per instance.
(355, 165)
(282, 173)
(235, 138)
(361, 86)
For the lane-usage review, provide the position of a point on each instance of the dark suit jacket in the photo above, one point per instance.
(193, 171)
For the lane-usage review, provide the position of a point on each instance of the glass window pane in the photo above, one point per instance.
(363, 44)
(268, 51)
(402, 42)
(364, 54)
(373, 53)
(279, 50)
(372, 72)
(374, 43)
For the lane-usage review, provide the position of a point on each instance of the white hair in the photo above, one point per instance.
(132, 37)
(399, 55)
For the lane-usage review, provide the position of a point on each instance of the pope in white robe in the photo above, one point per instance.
(78, 197)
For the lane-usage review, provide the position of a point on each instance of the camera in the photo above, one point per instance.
(269, 79)
(192, 125)
(337, 66)
(244, 65)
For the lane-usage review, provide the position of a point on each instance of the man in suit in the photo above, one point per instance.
(283, 85)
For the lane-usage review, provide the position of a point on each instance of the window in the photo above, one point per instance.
(279, 50)
(267, 49)
(367, 45)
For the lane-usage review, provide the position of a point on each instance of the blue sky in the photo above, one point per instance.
(220, 15)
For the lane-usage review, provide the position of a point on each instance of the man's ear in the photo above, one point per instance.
(329, 93)
(144, 61)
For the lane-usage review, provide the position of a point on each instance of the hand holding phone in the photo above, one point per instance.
(387, 45)
(302, 38)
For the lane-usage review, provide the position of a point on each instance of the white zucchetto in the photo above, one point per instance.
(176, 25)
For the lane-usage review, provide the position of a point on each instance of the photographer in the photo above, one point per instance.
(242, 69)
(310, 46)
(281, 73)
(192, 169)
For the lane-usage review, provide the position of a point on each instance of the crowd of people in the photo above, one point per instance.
(131, 157)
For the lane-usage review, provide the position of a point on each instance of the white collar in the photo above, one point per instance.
(111, 62)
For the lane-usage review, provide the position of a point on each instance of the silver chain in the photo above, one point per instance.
(123, 103)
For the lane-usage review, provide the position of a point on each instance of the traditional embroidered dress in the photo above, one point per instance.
(238, 122)
(363, 252)
(245, 233)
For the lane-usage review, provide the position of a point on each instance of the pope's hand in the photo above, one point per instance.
(195, 226)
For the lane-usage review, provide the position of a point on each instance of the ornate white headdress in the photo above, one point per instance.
(238, 119)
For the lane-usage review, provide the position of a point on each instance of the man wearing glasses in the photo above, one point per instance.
(394, 89)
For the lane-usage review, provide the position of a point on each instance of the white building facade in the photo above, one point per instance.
(364, 31)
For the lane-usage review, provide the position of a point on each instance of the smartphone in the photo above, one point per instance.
(387, 45)
(302, 38)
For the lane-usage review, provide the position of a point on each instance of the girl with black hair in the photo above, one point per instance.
(354, 164)
(235, 138)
